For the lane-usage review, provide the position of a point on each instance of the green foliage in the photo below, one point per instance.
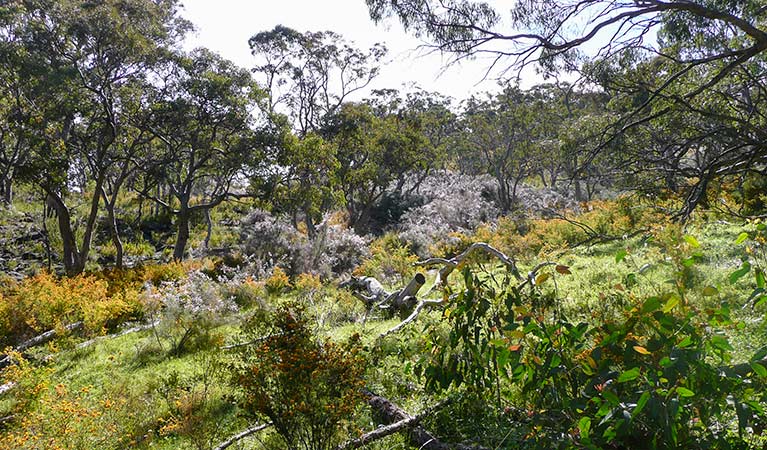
(658, 376)
(309, 389)
(390, 259)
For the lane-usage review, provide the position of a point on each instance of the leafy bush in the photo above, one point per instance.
(307, 388)
(44, 302)
(188, 312)
(390, 259)
(660, 376)
(278, 282)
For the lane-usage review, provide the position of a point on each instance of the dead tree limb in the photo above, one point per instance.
(411, 317)
(244, 434)
(378, 297)
(135, 329)
(381, 432)
(448, 265)
(406, 298)
(530, 279)
(39, 340)
(418, 436)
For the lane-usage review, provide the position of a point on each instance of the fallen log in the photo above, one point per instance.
(392, 428)
(116, 335)
(418, 436)
(38, 340)
(397, 301)
(47, 337)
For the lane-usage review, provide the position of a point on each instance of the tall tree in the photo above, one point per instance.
(86, 53)
(204, 125)
(308, 76)
(700, 46)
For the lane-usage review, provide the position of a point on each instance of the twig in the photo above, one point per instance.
(244, 434)
(254, 341)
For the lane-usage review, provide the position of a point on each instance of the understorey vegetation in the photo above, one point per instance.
(198, 255)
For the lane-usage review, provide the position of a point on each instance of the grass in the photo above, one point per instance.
(168, 402)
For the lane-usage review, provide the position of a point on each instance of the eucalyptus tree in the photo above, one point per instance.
(501, 136)
(84, 54)
(701, 48)
(373, 151)
(203, 124)
(308, 76)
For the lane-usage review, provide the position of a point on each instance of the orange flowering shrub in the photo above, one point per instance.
(278, 281)
(44, 302)
(309, 389)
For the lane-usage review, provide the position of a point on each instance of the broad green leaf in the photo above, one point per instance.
(670, 304)
(759, 369)
(684, 392)
(692, 241)
(760, 282)
(584, 425)
(640, 404)
(686, 342)
(721, 343)
(629, 375)
(620, 255)
(741, 238)
(738, 274)
(651, 304)
(710, 291)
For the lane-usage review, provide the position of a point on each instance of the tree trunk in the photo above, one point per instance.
(6, 189)
(70, 253)
(209, 230)
(113, 231)
(182, 238)
(578, 191)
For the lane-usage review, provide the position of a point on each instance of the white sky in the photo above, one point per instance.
(225, 26)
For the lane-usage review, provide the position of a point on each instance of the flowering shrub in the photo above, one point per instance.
(188, 312)
(277, 282)
(270, 241)
(449, 203)
(307, 388)
(44, 302)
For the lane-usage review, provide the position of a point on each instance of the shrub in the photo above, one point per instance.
(390, 259)
(164, 273)
(271, 241)
(278, 282)
(336, 251)
(450, 203)
(307, 388)
(44, 302)
(188, 312)
(658, 376)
